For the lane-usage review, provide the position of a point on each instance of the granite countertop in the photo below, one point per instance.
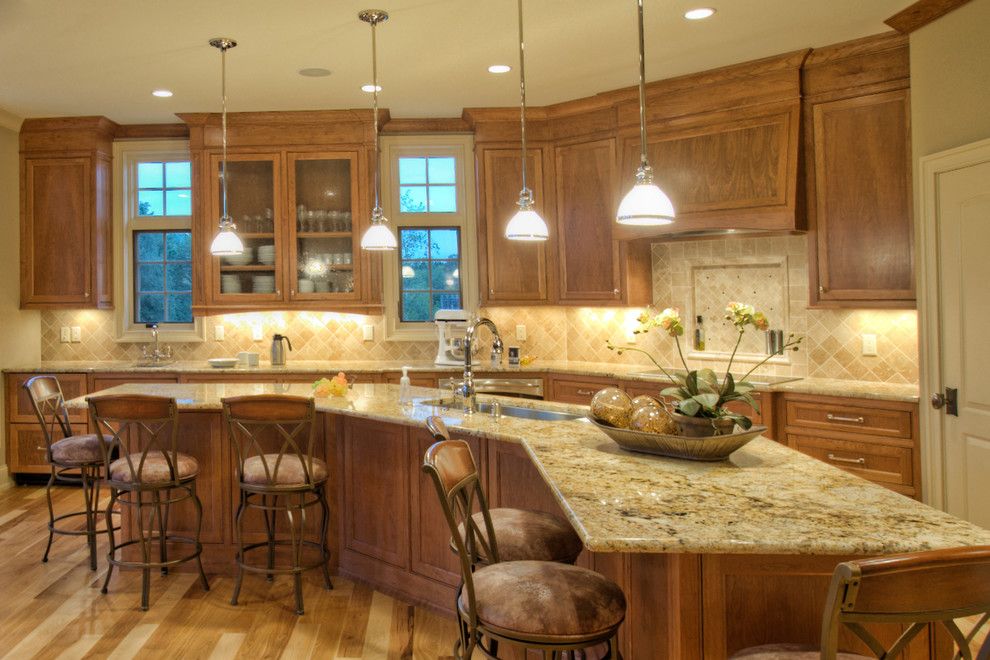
(766, 499)
(817, 386)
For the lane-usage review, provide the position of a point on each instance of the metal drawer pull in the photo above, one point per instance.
(854, 461)
(839, 418)
(585, 392)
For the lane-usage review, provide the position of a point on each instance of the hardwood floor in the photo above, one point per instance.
(56, 610)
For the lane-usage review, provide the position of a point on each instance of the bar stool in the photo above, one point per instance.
(519, 534)
(74, 459)
(917, 588)
(539, 605)
(274, 438)
(150, 476)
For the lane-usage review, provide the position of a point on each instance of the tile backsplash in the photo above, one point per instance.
(698, 277)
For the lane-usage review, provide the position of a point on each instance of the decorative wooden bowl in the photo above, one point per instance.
(714, 448)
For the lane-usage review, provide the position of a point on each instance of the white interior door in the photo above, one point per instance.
(962, 337)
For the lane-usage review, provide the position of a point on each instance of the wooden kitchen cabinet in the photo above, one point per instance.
(66, 233)
(858, 163)
(25, 446)
(579, 390)
(514, 272)
(298, 189)
(876, 440)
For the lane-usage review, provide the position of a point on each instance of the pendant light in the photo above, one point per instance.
(645, 204)
(526, 224)
(226, 242)
(378, 236)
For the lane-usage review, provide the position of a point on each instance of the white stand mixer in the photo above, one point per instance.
(451, 327)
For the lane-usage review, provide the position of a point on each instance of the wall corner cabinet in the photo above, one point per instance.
(858, 174)
(298, 192)
(65, 197)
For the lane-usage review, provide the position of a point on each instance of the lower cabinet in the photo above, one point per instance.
(876, 440)
(577, 390)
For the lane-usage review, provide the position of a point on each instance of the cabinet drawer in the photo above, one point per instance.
(884, 464)
(842, 416)
(26, 451)
(577, 391)
(19, 408)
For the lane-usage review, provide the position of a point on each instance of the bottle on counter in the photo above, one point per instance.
(699, 334)
(405, 388)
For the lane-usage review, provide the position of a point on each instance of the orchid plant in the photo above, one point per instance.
(700, 393)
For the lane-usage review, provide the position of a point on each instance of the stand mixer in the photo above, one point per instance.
(451, 327)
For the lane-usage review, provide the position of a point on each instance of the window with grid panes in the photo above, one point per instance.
(430, 271)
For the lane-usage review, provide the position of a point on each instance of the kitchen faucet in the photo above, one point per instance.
(156, 355)
(466, 389)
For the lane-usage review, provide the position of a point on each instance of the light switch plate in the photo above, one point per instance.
(257, 333)
(218, 332)
(76, 334)
(369, 332)
(869, 344)
(521, 332)
(65, 334)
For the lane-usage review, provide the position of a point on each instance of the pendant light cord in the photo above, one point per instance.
(643, 161)
(522, 102)
(374, 84)
(223, 103)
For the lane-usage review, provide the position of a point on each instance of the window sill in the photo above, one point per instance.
(143, 335)
(428, 333)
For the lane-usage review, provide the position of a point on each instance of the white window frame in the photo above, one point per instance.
(126, 156)
(461, 147)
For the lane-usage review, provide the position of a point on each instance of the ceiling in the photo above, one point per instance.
(104, 57)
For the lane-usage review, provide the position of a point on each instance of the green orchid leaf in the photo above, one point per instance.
(689, 407)
(707, 380)
(745, 423)
(691, 383)
(729, 386)
(744, 386)
(708, 401)
(678, 393)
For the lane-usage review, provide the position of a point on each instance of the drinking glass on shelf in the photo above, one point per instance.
(346, 217)
(245, 224)
(310, 220)
(269, 220)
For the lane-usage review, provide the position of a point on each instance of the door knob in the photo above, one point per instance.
(948, 400)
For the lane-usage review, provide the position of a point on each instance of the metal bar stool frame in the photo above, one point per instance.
(150, 424)
(293, 421)
(458, 500)
(45, 393)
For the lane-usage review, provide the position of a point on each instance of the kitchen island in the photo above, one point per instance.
(712, 557)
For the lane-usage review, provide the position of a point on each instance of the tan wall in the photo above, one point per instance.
(20, 331)
(950, 80)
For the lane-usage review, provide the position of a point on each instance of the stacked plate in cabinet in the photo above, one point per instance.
(266, 254)
(230, 283)
(263, 284)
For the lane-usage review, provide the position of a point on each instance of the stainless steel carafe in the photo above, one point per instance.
(278, 351)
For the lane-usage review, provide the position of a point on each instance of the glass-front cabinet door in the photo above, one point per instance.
(323, 238)
(254, 203)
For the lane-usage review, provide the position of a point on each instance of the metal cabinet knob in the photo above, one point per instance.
(615, 291)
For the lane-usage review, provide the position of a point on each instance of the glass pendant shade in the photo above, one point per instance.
(378, 236)
(526, 224)
(645, 204)
(226, 242)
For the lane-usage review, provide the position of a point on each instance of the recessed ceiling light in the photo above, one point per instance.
(499, 68)
(699, 13)
(314, 72)
(370, 88)
(162, 93)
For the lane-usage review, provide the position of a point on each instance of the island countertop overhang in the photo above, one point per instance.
(767, 499)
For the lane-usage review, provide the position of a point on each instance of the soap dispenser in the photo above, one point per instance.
(405, 388)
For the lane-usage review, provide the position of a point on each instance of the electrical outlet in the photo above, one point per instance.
(218, 332)
(65, 334)
(369, 332)
(521, 332)
(869, 344)
(257, 333)
(76, 334)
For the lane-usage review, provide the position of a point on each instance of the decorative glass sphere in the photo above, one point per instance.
(612, 406)
(652, 419)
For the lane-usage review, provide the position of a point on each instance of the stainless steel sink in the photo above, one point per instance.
(485, 408)
(154, 364)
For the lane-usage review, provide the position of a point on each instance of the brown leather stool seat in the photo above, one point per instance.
(155, 469)
(524, 535)
(535, 598)
(790, 652)
(80, 449)
(290, 471)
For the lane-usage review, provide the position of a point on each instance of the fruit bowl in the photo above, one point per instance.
(714, 448)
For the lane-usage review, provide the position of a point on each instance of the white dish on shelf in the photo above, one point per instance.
(222, 363)
(242, 259)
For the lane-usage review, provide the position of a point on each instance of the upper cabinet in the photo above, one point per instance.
(66, 231)
(858, 174)
(298, 186)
